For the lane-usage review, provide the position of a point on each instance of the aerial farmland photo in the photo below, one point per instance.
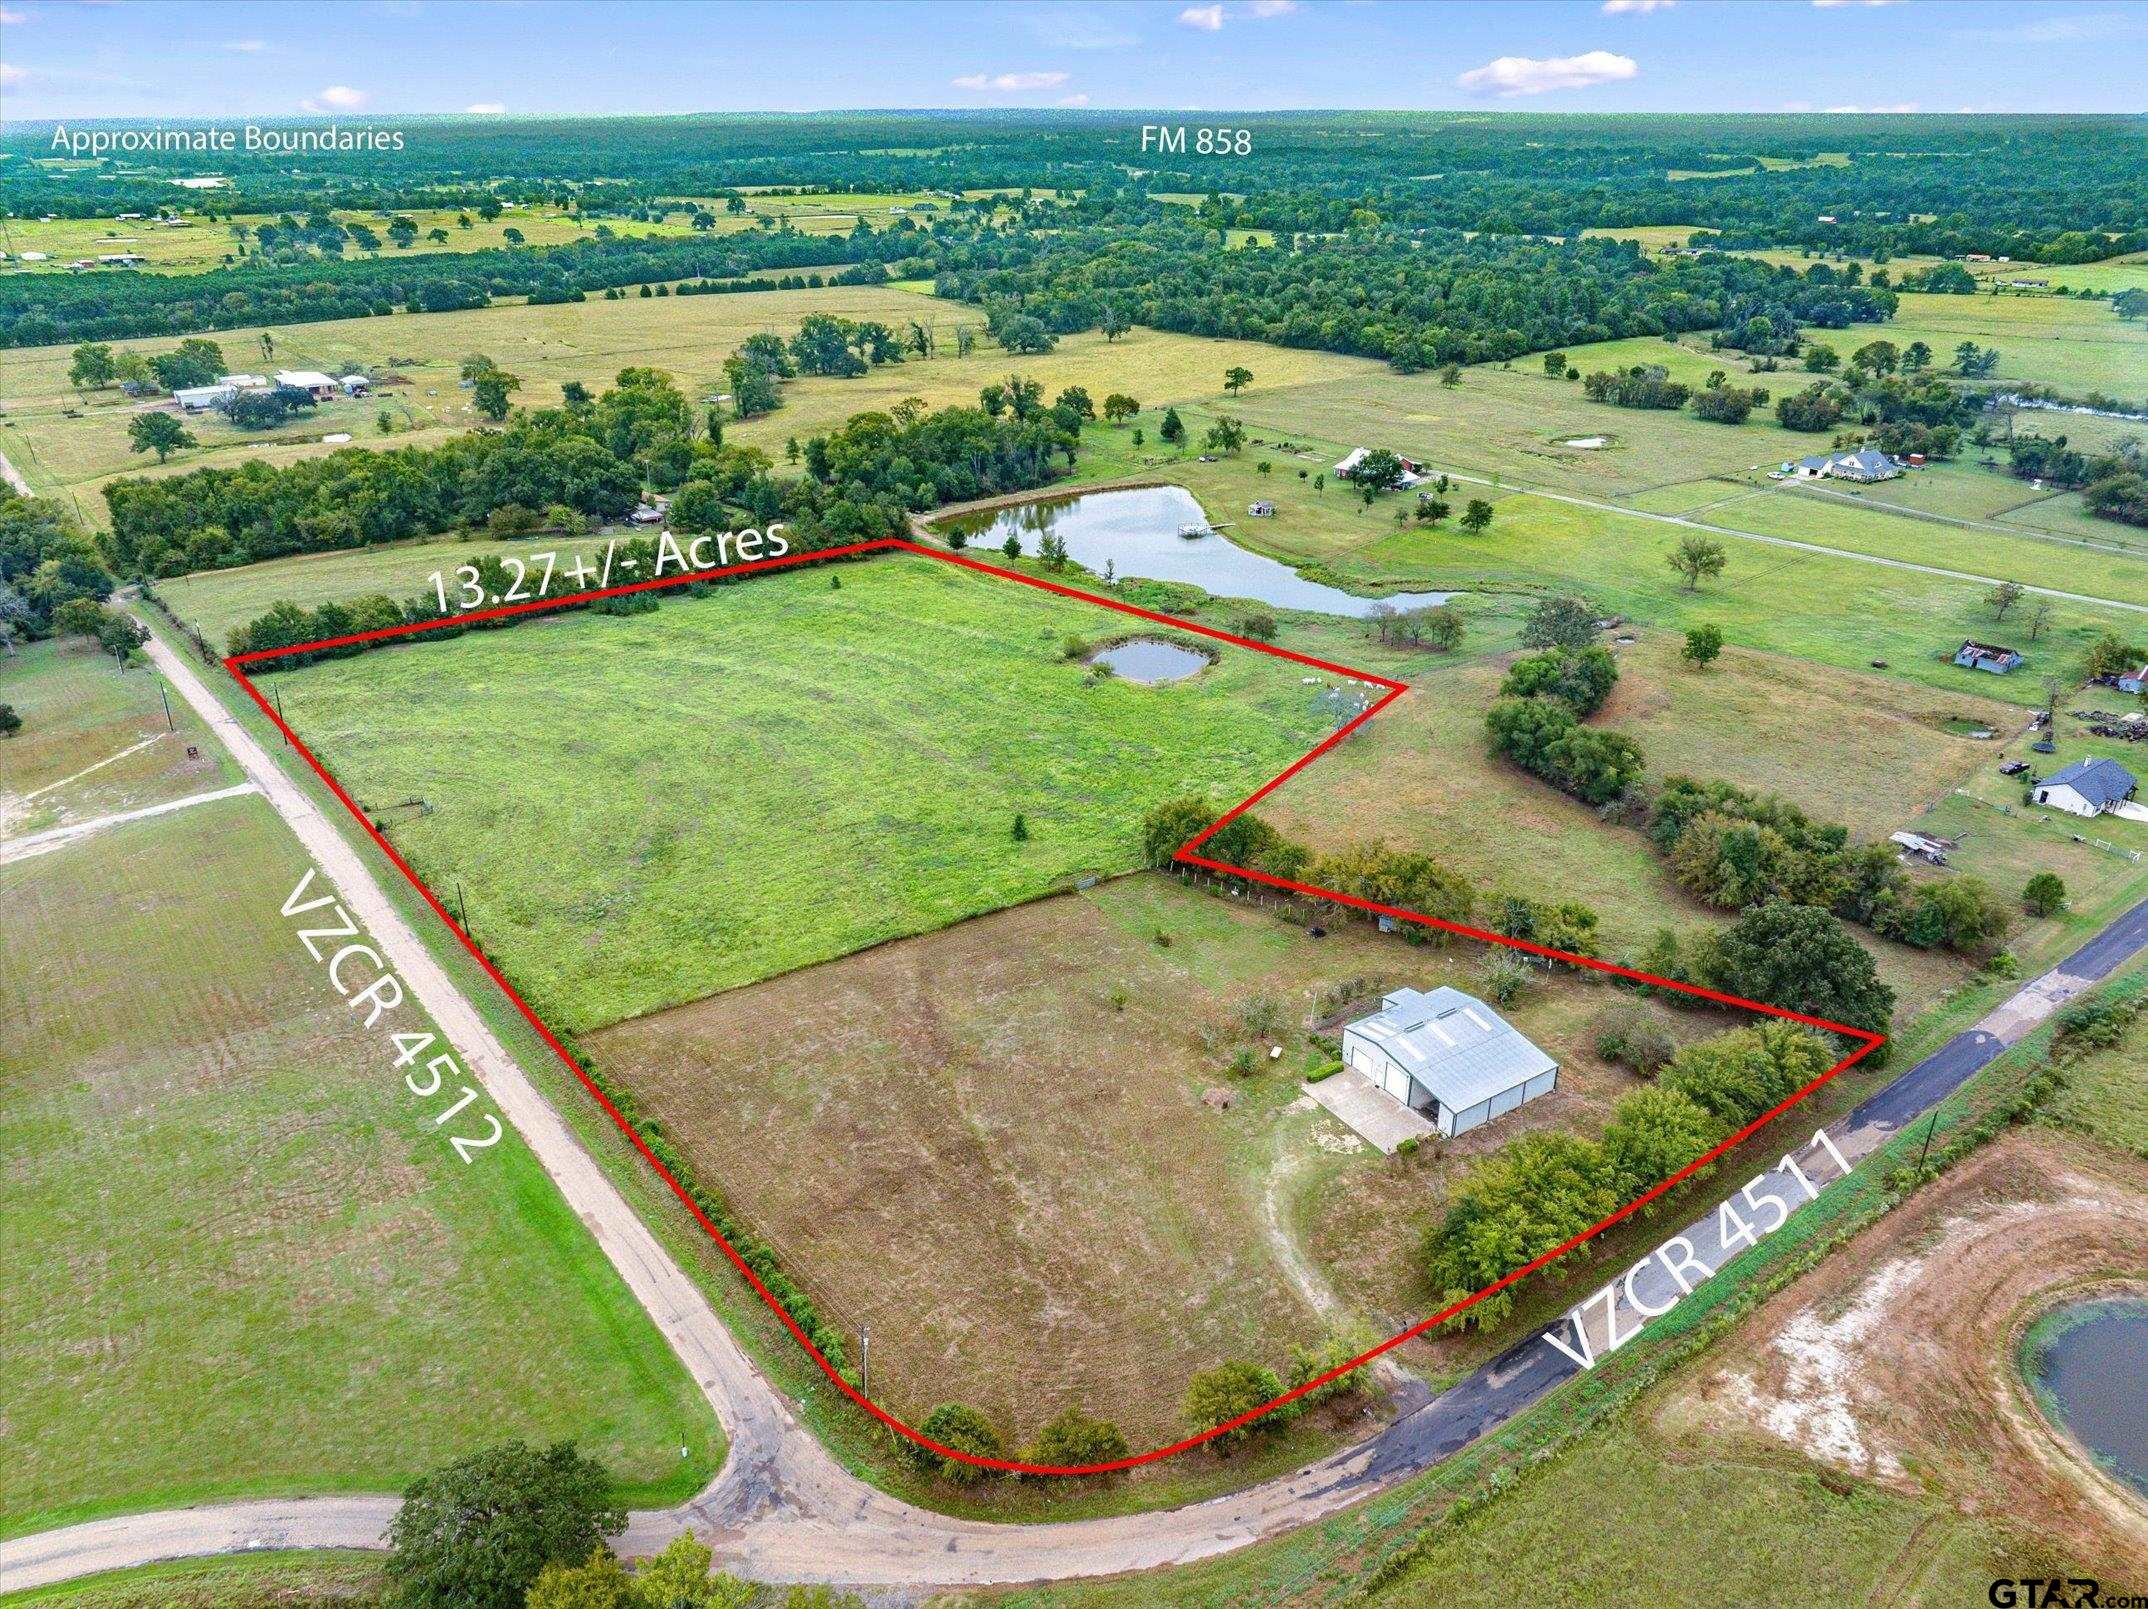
(1073, 804)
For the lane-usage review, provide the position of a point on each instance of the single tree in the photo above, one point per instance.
(1236, 379)
(2044, 894)
(1119, 407)
(2002, 598)
(1226, 435)
(1217, 1396)
(1559, 623)
(158, 433)
(10, 722)
(1450, 374)
(1698, 558)
(490, 391)
(1113, 323)
(1703, 644)
(1477, 517)
(477, 1533)
(91, 368)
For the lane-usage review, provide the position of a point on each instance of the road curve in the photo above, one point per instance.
(782, 1509)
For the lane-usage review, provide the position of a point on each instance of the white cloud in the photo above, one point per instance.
(1528, 75)
(1009, 81)
(11, 74)
(1209, 19)
(1635, 8)
(1899, 106)
(1274, 8)
(246, 47)
(1836, 5)
(485, 108)
(1073, 100)
(13, 19)
(335, 98)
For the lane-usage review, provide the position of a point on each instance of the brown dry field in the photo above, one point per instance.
(958, 1141)
(1894, 1360)
(990, 1144)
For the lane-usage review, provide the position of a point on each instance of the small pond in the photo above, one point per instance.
(1149, 661)
(2086, 1362)
(1136, 532)
(1585, 443)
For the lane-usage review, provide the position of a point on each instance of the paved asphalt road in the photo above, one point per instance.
(782, 1509)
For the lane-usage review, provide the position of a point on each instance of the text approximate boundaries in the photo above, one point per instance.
(1188, 853)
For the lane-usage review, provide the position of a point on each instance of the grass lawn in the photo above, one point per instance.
(279, 1580)
(224, 1218)
(217, 601)
(94, 740)
(1837, 610)
(2057, 341)
(2104, 1093)
(1745, 1530)
(643, 811)
(199, 244)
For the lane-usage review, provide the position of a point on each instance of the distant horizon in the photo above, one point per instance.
(187, 60)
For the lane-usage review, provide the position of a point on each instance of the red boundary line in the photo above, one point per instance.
(1868, 1041)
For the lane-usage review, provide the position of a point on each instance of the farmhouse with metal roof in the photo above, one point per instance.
(1449, 1056)
(2087, 787)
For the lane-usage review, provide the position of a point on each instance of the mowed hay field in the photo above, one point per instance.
(223, 1215)
(645, 810)
(689, 337)
(94, 740)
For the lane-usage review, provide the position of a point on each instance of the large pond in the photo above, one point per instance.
(1136, 532)
(2087, 1362)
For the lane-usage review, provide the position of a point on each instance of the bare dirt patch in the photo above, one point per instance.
(1895, 1361)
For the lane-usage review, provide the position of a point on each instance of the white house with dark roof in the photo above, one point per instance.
(1449, 1056)
(2087, 787)
(1865, 464)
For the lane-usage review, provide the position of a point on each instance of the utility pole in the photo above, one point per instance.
(169, 724)
(1927, 1151)
(462, 910)
(282, 725)
(865, 1361)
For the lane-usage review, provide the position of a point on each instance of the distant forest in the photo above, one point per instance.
(1424, 238)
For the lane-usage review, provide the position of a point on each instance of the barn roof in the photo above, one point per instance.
(1453, 1044)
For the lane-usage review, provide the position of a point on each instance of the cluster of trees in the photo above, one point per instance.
(2113, 485)
(1420, 302)
(1648, 385)
(1536, 722)
(1735, 849)
(46, 564)
(824, 345)
(1543, 1189)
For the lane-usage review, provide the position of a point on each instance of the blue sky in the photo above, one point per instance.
(76, 59)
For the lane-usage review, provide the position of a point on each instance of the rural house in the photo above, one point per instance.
(1866, 464)
(2087, 787)
(1449, 1056)
(1413, 473)
(1987, 656)
(201, 398)
(308, 380)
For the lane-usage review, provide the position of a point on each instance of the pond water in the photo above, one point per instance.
(1590, 443)
(2087, 1362)
(1149, 661)
(1136, 532)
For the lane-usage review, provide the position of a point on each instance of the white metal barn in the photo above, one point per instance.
(1450, 1056)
